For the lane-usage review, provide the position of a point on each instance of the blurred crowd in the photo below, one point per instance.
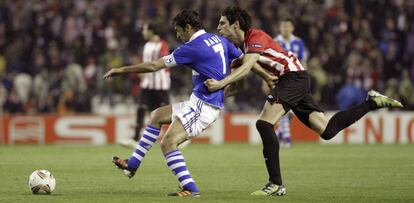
(53, 53)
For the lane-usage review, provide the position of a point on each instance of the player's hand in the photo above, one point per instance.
(271, 81)
(113, 72)
(213, 85)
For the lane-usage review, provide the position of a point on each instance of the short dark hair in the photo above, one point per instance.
(155, 27)
(288, 19)
(188, 17)
(235, 13)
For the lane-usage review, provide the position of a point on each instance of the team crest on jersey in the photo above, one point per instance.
(169, 60)
(257, 46)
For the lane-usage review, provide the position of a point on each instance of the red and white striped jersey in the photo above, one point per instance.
(159, 80)
(273, 58)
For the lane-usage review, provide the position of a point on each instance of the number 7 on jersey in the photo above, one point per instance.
(218, 48)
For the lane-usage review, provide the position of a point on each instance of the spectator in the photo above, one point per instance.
(353, 93)
(406, 90)
(13, 103)
(373, 39)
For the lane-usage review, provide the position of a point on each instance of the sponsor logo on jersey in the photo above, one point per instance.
(257, 45)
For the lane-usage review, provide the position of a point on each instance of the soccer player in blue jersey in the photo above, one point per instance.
(209, 56)
(291, 42)
(288, 41)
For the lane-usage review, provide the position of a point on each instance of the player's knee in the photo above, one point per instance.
(168, 144)
(269, 139)
(326, 135)
(263, 125)
(155, 117)
(165, 145)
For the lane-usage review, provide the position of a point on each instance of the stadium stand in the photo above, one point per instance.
(53, 53)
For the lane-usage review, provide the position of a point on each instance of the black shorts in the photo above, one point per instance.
(293, 92)
(152, 99)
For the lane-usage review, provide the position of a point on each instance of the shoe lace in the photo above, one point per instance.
(269, 187)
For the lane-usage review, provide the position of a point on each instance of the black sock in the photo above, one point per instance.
(343, 119)
(270, 151)
(140, 123)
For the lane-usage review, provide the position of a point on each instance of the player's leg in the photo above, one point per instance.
(284, 131)
(141, 111)
(150, 101)
(328, 128)
(151, 133)
(144, 107)
(271, 114)
(190, 119)
(175, 135)
(278, 133)
(343, 119)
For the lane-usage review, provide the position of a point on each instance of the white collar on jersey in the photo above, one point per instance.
(197, 34)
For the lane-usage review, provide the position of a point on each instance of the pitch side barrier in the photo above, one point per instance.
(387, 127)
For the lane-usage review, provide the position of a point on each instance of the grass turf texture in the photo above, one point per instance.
(224, 173)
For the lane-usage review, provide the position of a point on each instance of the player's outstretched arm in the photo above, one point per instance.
(248, 61)
(138, 68)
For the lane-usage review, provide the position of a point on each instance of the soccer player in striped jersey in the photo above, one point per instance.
(288, 41)
(292, 92)
(209, 56)
(155, 85)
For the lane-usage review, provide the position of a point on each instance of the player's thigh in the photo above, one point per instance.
(175, 134)
(272, 113)
(318, 121)
(161, 115)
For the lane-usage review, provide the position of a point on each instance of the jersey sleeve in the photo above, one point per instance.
(255, 43)
(182, 55)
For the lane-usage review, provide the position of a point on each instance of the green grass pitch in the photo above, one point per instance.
(224, 173)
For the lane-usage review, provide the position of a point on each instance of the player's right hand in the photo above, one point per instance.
(213, 85)
(113, 72)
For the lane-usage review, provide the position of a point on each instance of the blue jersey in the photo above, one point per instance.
(209, 56)
(295, 45)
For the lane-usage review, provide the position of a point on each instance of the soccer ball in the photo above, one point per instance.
(42, 181)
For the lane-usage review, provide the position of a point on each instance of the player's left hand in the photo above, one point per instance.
(213, 85)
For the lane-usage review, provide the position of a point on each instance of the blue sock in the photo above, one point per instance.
(288, 140)
(148, 139)
(176, 163)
